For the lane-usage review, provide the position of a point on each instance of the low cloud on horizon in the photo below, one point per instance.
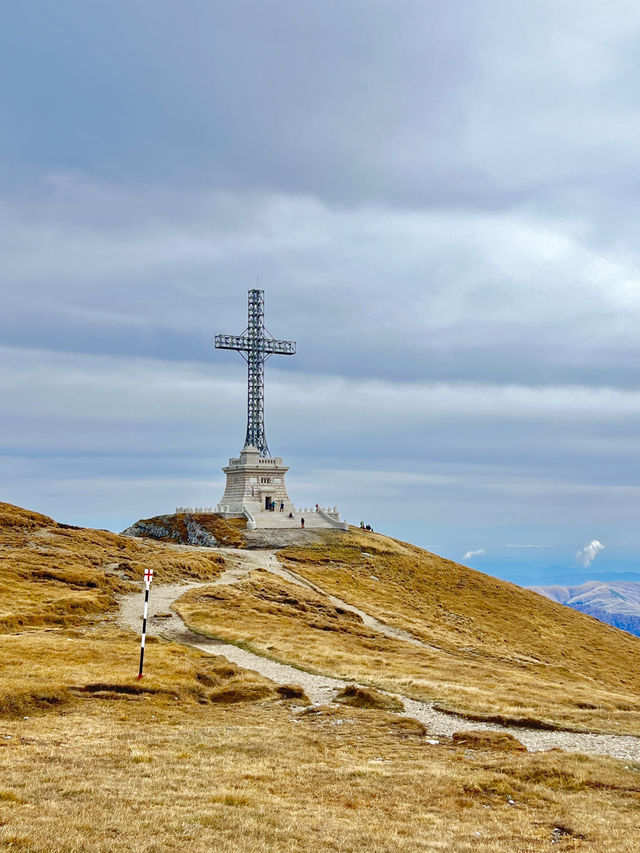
(477, 553)
(589, 552)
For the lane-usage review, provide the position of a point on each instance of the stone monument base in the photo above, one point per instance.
(255, 484)
(256, 490)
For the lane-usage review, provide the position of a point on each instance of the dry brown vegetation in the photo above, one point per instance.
(56, 668)
(55, 574)
(151, 776)
(365, 697)
(488, 740)
(491, 650)
(201, 755)
(57, 579)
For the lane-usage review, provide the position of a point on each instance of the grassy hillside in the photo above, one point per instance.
(59, 593)
(490, 649)
(201, 755)
(61, 575)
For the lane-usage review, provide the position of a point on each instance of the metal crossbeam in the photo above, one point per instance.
(242, 342)
(256, 345)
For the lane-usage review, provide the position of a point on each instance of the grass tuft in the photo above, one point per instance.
(488, 740)
(240, 693)
(408, 727)
(365, 697)
(293, 691)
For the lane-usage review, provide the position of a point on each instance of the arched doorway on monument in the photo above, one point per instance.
(268, 502)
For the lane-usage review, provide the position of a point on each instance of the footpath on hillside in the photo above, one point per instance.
(321, 689)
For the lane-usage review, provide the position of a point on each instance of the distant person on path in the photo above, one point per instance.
(316, 507)
(290, 515)
(281, 506)
(302, 522)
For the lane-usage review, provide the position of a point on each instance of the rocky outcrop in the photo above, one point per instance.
(201, 529)
(210, 531)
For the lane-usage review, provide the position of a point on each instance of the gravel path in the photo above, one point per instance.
(321, 688)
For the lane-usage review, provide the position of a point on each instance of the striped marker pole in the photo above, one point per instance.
(148, 577)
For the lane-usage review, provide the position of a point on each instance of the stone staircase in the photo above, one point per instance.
(280, 520)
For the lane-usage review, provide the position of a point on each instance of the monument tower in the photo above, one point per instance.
(255, 486)
(255, 479)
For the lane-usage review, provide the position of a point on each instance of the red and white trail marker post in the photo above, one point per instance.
(148, 577)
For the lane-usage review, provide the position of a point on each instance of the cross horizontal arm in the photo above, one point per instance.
(279, 347)
(244, 343)
(238, 342)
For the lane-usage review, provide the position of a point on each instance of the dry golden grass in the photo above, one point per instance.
(50, 668)
(201, 755)
(54, 574)
(488, 740)
(150, 776)
(492, 651)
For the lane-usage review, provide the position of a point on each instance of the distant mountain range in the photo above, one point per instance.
(615, 602)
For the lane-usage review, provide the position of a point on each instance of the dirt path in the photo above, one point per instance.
(322, 688)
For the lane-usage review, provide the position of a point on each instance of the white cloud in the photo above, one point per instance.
(587, 555)
(476, 553)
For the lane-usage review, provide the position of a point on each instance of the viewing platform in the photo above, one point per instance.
(327, 518)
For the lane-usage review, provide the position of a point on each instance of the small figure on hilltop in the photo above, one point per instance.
(316, 507)
(362, 525)
(302, 522)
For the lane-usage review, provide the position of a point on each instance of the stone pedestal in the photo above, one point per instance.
(253, 485)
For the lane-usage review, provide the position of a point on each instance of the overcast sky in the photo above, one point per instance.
(441, 204)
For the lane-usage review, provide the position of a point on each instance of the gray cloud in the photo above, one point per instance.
(449, 296)
(439, 202)
(404, 103)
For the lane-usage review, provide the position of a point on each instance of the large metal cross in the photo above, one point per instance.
(255, 345)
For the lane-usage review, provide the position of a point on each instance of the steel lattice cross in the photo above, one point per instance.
(255, 345)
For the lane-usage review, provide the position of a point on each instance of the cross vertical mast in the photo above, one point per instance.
(255, 379)
(258, 345)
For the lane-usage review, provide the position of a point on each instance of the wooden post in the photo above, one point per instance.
(148, 577)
